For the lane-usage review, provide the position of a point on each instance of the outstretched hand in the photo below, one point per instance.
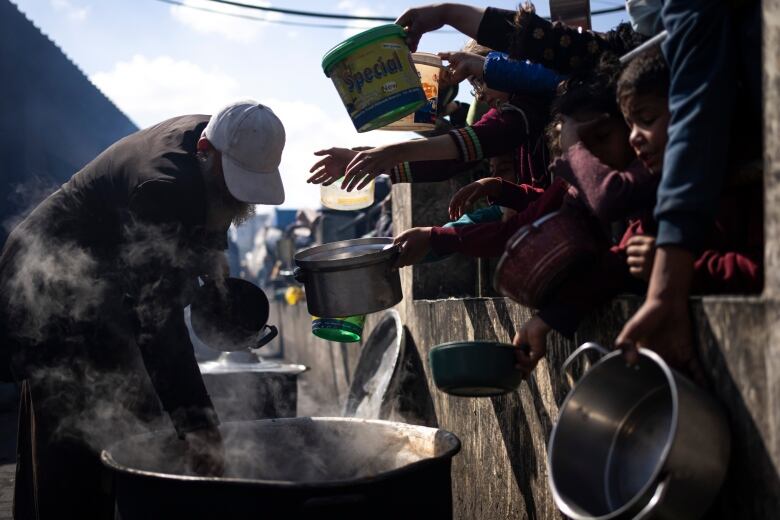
(331, 167)
(465, 198)
(366, 165)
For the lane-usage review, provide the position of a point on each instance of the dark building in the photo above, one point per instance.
(53, 120)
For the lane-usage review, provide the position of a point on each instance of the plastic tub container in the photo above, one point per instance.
(334, 197)
(375, 77)
(428, 68)
(342, 330)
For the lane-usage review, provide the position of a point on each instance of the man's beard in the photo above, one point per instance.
(239, 211)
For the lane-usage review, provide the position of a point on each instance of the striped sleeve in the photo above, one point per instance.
(469, 147)
(401, 172)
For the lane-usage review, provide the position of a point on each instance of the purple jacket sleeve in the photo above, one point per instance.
(611, 194)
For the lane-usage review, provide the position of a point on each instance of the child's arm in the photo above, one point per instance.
(489, 239)
(611, 194)
(501, 73)
(497, 191)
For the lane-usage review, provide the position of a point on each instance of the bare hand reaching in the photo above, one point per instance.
(330, 168)
(467, 196)
(368, 164)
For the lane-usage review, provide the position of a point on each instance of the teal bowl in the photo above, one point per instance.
(474, 368)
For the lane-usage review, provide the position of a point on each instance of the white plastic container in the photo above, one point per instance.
(334, 197)
(428, 68)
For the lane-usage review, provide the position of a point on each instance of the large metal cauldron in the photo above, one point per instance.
(350, 277)
(636, 442)
(291, 468)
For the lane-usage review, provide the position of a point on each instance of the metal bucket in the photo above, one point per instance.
(350, 277)
(636, 442)
(299, 468)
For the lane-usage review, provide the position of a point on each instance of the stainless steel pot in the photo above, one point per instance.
(291, 468)
(244, 387)
(350, 277)
(636, 442)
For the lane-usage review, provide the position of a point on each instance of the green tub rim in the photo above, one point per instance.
(348, 46)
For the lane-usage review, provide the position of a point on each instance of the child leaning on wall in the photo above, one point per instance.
(588, 114)
(731, 258)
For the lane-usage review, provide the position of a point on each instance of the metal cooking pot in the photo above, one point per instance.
(350, 277)
(245, 387)
(232, 316)
(291, 468)
(539, 255)
(636, 442)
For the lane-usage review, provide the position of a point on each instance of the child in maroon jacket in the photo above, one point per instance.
(732, 260)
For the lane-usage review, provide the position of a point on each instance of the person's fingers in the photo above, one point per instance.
(447, 56)
(331, 180)
(324, 152)
(319, 164)
(367, 180)
(635, 261)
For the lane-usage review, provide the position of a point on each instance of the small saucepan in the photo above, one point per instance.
(232, 315)
(475, 368)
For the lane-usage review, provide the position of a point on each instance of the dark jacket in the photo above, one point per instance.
(102, 269)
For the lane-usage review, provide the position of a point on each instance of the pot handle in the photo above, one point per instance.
(660, 493)
(268, 336)
(299, 275)
(585, 347)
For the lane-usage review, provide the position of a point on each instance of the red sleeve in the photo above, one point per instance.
(730, 272)
(610, 194)
(489, 239)
(516, 196)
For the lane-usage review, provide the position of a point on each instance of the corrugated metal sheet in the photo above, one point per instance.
(54, 120)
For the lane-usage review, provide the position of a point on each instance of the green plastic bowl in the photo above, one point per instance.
(341, 330)
(474, 368)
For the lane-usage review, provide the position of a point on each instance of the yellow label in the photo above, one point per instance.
(374, 72)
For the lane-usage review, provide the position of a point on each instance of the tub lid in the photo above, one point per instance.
(347, 253)
(343, 49)
(426, 58)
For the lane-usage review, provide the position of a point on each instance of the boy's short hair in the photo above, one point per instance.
(646, 74)
(592, 90)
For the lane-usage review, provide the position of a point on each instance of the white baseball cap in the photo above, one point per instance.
(250, 138)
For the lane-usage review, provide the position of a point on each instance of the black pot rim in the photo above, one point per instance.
(108, 461)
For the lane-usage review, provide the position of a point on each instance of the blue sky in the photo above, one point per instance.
(155, 60)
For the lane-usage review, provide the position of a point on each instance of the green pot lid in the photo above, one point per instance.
(345, 48)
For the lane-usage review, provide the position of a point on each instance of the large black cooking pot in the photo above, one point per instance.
(232, 315)
(291, 468)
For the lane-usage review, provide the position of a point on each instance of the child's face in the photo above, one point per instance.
(607, 139)
(648, 118)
